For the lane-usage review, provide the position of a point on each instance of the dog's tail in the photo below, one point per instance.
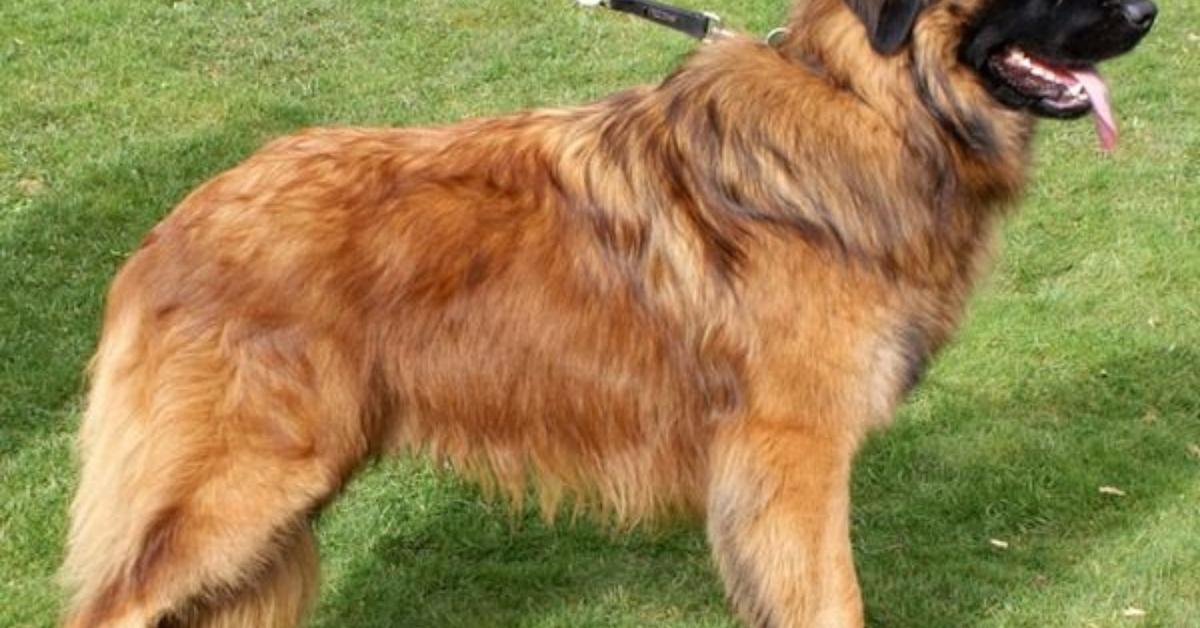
(199, 475)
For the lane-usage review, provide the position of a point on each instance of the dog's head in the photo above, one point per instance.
(1037, 56)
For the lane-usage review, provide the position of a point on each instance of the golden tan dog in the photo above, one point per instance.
(695, 295)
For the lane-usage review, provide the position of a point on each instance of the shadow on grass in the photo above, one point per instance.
(1025, 468)
(59, 254)
(467, 564)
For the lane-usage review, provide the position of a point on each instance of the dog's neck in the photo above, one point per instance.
(825, 34)
(910, 86)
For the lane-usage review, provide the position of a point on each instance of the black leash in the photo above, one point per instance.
(697, 24)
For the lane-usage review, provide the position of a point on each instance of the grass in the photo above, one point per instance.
(1079, 367)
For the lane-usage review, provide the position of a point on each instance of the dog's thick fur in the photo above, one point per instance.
(699, 295)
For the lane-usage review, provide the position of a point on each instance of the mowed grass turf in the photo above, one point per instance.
(1079, 366)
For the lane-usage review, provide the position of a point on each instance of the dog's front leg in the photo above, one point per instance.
(778, 521)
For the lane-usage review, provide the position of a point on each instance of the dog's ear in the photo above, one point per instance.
(888, 22)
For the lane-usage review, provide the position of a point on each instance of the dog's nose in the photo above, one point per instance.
(1139, 13)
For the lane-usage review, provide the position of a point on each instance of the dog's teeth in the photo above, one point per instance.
(1044, 73)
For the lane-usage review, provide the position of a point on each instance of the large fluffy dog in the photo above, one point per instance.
(697, 295)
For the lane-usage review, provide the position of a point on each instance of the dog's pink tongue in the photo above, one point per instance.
(1097, 91)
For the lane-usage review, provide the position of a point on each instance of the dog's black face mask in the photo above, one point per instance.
(1033, 55)
(1038, 55)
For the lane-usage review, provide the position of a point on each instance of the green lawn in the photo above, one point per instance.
(1079, 367)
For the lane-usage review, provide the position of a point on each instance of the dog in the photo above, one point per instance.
(694, 296)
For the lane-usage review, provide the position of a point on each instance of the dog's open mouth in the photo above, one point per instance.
(1062, 90)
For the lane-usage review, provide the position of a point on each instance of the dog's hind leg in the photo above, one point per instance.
(271, 587)
(278, 595)
(778, 521)
(204, 456)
